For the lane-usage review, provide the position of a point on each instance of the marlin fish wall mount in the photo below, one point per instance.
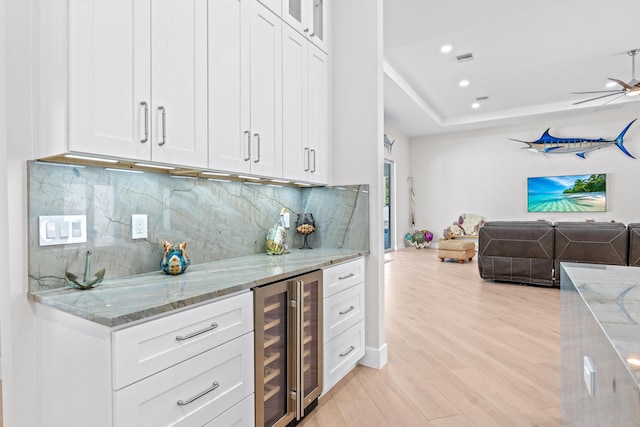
(548, 144)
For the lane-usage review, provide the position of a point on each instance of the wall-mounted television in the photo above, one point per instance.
(569, 193)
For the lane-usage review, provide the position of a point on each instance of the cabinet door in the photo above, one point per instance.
(319, 33)
(179, 82)
(318, 133)
(229, 101)
(310, 18)
(266, 92)
(295, 146)
(109, 77)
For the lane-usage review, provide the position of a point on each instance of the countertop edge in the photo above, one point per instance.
(49, 297)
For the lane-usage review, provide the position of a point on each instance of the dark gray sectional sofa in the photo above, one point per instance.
(530, 252)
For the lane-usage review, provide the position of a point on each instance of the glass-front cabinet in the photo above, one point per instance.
(309, 17)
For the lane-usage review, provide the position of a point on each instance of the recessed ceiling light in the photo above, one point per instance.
(464, 83)
(446, 48)
(611, 84)
(475, 105)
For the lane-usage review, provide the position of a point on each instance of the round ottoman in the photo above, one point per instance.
(461, 250)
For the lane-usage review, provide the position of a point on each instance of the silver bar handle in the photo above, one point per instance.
(346, 277)
(146, 121)
(299, 350)
(351, 348)
(347, 310)
(195, 334)
(257, 136)
(314, 161)
(199, 395)
(248, 133)
(164, 125)
(308, 165)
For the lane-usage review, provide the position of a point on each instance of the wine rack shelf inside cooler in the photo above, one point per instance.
(271, 357)
(270, 390)
(270, 373)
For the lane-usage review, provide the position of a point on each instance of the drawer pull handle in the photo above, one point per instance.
(351, 348)
(191, 335)
(346, 277)
(347, 310)
(199, 395)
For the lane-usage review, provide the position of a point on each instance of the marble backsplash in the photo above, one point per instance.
(219, 220)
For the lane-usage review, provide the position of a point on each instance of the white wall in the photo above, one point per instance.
(18, 352)
(485, 173)
(400, 156)
(4, 223)
(357, 132)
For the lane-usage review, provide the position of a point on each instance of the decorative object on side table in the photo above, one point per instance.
(175, 259)
(305, 225)
(72, 279)
(420, 239)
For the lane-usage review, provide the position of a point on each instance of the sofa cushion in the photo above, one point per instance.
(591, 242)
(516, 251)
(634, 244)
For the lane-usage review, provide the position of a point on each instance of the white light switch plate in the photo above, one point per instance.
(62, 229)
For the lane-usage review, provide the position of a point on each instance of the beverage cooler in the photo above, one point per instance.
(288, 346)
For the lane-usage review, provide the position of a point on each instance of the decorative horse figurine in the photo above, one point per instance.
(175, 259)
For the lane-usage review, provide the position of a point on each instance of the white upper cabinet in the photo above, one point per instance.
(179, 82)
(137, 79)
(318, 132)
(305, 109)
(295, 129)
(245, 88)
(309, 17)
(109, 77)
(274, 5)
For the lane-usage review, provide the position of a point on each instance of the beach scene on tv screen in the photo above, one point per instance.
(570, 193)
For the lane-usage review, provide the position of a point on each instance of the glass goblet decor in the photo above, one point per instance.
(305, 225)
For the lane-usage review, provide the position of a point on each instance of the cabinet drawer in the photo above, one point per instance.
(179, 396)
(150, 347)
(241, 415)
(342, 276)
(342, 353)
(343, 310)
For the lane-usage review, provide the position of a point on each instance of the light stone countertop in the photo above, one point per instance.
(116, 302)
(612, 294)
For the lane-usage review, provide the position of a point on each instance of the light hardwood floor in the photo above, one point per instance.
(462, 352)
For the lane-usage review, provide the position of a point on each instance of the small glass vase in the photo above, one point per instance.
(305, 225)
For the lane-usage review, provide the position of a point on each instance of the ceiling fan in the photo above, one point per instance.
(630, 89)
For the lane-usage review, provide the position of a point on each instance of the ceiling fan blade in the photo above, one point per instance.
(611, 100)
(621, 83)
(597, 97)
(599, 91)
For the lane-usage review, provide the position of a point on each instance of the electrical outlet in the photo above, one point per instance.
(138, 226)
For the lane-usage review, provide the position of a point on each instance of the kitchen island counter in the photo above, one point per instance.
(600, 327)
(120, 301)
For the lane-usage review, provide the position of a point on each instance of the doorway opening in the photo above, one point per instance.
(388, 206)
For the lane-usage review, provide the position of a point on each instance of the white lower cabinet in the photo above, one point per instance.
(343, 317)
(191, 393)
(241, 415)
(191, 367)
(342, 354)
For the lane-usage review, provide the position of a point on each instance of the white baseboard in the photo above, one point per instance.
(375, 357)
